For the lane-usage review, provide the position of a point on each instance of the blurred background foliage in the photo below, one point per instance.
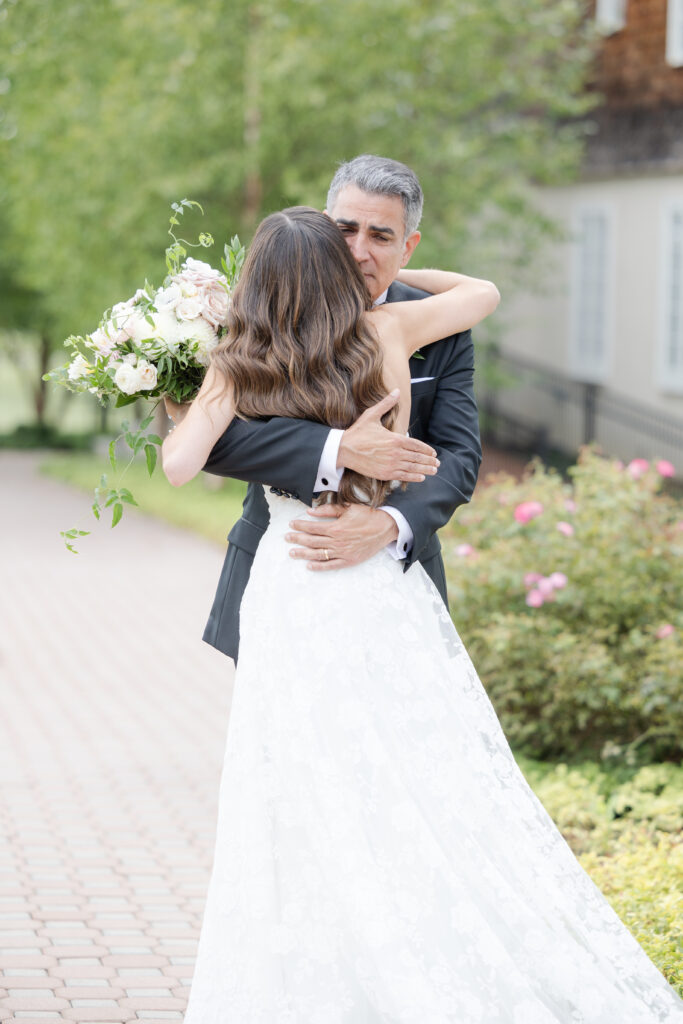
(111, 111)
(595, 669)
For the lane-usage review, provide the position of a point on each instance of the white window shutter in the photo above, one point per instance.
(610, 16)
(674, 33)
(592, 293)
(671, 329)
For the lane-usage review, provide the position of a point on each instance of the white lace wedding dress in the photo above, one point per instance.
(379, 855)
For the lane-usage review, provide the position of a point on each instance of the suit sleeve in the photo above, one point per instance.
(453, 430)
(279, 451)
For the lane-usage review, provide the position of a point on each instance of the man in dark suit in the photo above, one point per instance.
(377, 204)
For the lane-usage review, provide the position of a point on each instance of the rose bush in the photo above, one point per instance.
(576, 633)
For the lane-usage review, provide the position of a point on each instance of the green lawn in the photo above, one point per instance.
(206, 505)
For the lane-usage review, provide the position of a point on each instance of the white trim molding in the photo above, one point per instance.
(610, 16)
(592, 292)
(670, 346)
(674, 33)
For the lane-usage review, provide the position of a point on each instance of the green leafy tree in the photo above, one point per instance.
(110, 111)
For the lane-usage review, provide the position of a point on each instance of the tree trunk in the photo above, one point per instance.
(253, 185)
(40, 389)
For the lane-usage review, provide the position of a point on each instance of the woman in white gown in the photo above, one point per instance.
(379, 855)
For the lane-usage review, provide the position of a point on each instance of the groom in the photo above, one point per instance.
(377, 204)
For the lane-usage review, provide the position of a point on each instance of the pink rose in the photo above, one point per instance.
(665, 468)
(558, 580)
(215, 304)
(566, 529)
(530, 578)
(637, 468)
(666, 630)
(535, 598)
(527, 510)
(546, 587)
(463, 550)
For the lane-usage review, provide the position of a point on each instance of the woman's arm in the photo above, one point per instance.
(187, 446)
(456, 304)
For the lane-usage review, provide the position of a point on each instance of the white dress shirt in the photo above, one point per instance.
(329, 477)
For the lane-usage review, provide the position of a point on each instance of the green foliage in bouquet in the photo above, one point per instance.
(569, 598)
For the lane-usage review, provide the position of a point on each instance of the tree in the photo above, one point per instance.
(110, 111)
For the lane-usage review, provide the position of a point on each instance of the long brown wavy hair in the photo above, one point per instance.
(298, 343)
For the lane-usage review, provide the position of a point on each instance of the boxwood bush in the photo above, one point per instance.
(568, 596)
(625, 825)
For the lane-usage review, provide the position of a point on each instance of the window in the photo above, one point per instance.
(592, 292)
(671, 326)
(674, 33)
(610, 16)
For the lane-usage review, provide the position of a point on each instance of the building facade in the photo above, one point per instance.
(606, 322)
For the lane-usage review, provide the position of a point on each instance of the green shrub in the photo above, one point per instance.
(596, 665)
(625, 825)
(42, 435)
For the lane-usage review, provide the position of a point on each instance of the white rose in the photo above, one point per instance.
(200, 338)
(127, 379)
(168, 298)
(215, 304)
(187, 286)
(147, 375)
(122, 307)
(79, 368)
(190, 308)
(102, 341)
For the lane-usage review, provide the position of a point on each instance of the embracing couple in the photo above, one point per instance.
(379, 855)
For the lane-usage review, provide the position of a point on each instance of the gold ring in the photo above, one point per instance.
(327, 554)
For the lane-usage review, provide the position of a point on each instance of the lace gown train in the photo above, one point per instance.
(379, 855)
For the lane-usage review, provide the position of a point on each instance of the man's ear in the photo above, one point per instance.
(409, 247)
(326, 212)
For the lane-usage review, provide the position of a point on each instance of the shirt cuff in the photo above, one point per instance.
(329, 477)
(399, 548)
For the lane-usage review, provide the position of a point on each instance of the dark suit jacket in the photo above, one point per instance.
(285, 453)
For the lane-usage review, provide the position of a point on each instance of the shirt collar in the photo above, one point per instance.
(381, 298)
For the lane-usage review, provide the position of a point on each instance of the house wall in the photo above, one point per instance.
(538, 324)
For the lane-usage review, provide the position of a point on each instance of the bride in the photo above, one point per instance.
(379, 855)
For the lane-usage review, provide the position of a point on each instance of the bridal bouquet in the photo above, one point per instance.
(156, 343)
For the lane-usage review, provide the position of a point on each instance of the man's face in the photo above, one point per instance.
(373, 226)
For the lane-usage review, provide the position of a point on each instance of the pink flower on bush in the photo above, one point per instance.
(637, 468)
(527, 510)
(543, 587)
(546, 587)
(570, 504)
(566, 529)
(666, 630)
(665, 468)
(464, 550)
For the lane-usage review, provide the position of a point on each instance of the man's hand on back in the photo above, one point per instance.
(370, 449)
(342, 537)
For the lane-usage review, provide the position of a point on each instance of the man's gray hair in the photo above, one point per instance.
(384, 177)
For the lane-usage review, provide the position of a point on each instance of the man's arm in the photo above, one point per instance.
(286, 453)
(280, 451)
(453, 430)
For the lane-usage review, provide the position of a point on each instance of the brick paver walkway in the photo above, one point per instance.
(113, 716)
